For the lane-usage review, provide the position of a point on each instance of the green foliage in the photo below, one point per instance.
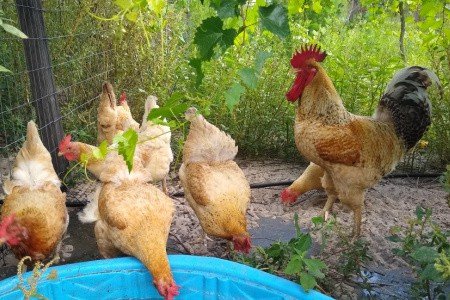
(291, 259)
(426, 247)
(126, 145)
(274, 18)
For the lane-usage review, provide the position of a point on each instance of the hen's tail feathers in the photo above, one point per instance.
(90, 213)
(33, 166)
(108, 97)
(406, 104)
(150, 104)
(206, 142)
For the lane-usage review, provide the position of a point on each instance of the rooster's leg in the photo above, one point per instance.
(357, 221)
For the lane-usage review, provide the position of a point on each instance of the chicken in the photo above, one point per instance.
(135, 218)
(124, 118)
(121, 225)
(132, 216)
(112, 168)
(112, 118)
(311, 179)
(154, 146)
(356, 151)
(214, 185)
(34, 213)
(107, 114)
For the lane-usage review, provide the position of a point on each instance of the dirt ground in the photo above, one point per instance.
(392, 202)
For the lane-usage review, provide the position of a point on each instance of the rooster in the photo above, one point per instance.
(356, 151)
(34, 214)
(131, 215)
(214, 185)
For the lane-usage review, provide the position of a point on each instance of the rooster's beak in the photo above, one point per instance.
(60, 153)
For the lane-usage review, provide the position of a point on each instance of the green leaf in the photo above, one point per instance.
(430, 273)
(14, 31)
(248, 77)
(261, 58)
(210, 34)
(315, 267)
(233, 95)
(227, 8)
(275, 250)
(132, 16)
(302, 243)
(394, 238)
(293, 267)
(307, 281)
(297, 227)
(419, 212)
(101, 151)
(197, 65)
(124, 4)
(316, 6)
(127, 145)
(318, 220)
(425, 254)
(274, 18)
(5, 70)
(295, 6)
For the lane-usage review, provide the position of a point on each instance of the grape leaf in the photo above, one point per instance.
(127, 145)
(210, 34)
(248, 77)
(261, 58)
(233, 95)
(101, 151)
(227, 8)
(274, 18)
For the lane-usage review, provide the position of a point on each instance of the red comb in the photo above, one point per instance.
(64, 143)
(307, 52)
(123, 98)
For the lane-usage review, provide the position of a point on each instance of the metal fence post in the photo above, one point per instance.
(41, 77)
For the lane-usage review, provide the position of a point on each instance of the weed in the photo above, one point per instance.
(426, 247)
(29, 287)
(291, 259)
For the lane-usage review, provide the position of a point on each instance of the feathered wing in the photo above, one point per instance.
(405, 103)
(33, 166)
(206, 142)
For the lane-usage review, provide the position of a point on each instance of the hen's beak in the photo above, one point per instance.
(60, 153)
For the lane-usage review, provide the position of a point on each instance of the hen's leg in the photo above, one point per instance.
(105, 246)
(164, 186)
(332, 195)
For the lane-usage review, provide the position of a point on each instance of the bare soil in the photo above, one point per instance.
(390, 203)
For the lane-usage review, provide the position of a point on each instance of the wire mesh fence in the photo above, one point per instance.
(57, 88)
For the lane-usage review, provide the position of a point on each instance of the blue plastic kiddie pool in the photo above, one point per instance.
(126, 278)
